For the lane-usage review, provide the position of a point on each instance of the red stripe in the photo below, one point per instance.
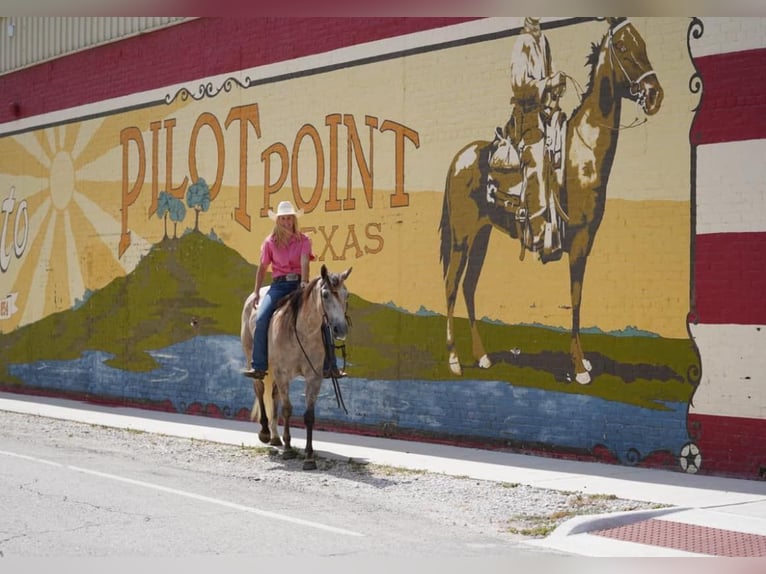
(733, 97)
(186, 52)
(733, 446)
(730, 278)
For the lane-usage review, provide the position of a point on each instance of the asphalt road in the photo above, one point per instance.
(69, 489)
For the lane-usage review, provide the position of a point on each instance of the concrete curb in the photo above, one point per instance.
(589, 523)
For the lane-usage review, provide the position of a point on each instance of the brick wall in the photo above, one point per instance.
(528, 400)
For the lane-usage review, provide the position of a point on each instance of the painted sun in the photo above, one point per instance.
(63, 177)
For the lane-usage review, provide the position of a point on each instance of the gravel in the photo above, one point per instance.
(514, 510)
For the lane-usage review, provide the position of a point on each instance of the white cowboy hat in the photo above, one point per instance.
(284, 208)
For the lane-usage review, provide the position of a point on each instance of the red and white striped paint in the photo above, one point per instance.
(727, 414)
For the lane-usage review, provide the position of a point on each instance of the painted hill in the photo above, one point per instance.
(193, 277)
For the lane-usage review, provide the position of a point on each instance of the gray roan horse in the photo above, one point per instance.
(295, 350)
(619, 68)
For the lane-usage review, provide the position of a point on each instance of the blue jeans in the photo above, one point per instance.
(266, 309)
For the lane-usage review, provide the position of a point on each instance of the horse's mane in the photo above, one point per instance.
(592, 59)
(293, 302)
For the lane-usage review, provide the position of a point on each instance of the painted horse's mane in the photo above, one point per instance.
(591, 60)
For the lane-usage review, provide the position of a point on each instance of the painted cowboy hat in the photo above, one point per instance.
(284, 208)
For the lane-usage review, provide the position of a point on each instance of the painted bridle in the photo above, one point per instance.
(634, 86)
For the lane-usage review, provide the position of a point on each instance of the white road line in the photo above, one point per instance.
(191, 495)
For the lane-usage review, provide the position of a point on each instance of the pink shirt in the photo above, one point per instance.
(285, 259)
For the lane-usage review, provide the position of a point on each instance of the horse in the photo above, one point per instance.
(619, 69)
(296, 349)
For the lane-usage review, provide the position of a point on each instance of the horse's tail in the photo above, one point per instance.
(247, 328)
(445, 228)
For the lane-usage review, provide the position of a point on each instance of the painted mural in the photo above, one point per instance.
(515, 204)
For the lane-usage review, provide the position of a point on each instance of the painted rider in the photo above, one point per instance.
(535, 113)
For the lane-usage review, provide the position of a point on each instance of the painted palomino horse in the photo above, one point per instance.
(619, 68)
(296, 349)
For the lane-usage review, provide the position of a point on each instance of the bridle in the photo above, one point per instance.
(322, 285)
(634, 86)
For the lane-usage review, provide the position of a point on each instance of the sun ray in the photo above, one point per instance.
(97, 138)
(84, 136)
(70, 137)
(48, 141)
(95, 170)
(25, 185)
(35, 306)
(43, 138)
(97, 262)
(25, 162)
(74, 272)
(30, 143)
(35, 221)
(109, 229)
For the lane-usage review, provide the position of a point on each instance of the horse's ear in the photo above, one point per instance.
(346, 273)
(614, 20)
(323, 271)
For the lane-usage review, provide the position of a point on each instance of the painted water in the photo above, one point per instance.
(207, 370)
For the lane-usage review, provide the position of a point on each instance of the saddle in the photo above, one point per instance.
(507, 157)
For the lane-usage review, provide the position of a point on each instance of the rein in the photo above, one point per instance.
(335, 382)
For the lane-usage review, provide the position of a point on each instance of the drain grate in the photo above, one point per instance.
(689, 537)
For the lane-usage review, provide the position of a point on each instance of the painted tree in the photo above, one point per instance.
(163, 208)
(198, 197)
(177, 213)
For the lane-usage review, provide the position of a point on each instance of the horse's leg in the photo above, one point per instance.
(312, 391)
(578, 257)
(477, 252)
(269, 430)
(259, 412)
(271, 400)
(452, 278)
(287, 412)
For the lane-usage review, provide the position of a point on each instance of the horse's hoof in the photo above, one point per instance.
(485, 362)
(276, 441)
(583, 378)
(587, 365)
(454, 365)
(264, 437)
(309, 464)
(289, 454)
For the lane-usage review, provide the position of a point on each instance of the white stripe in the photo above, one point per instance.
(733, 371)
(731, 187)
(729, 34)
(208, 499)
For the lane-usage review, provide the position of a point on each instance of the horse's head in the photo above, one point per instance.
(334, 300)
(627, 51)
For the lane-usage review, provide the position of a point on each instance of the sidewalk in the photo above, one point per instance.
(709, 516)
